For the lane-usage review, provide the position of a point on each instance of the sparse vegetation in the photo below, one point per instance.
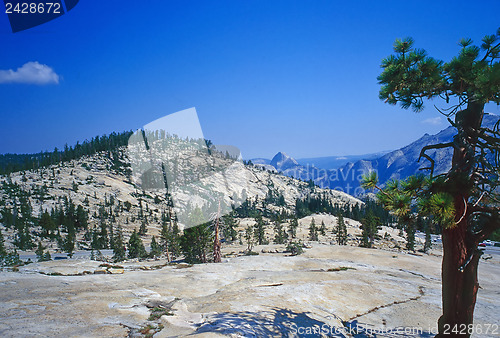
(341, 268)
(295, 248)
(157, 312)
(196, 242)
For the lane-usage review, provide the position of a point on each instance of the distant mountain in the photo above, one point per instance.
(397, 164)
(261, 161)
(334, 162)
(282, 161)
(326, 162)
(402, 163)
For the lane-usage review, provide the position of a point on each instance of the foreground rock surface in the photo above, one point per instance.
(328, 287)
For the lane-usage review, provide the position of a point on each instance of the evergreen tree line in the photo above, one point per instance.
(60, 224)
(7, 257)
(195, 244)
(371, 224)
(18, 162)
(322, 204)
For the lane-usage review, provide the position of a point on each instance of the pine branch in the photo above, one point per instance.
(429, 147)
(489, 50)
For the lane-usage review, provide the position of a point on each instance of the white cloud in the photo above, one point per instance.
(434, 121)
(31, 73)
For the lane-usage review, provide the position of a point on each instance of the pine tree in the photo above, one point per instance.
(155, 248)
(111, 235)
(280, 236)
(11, 258)
(341, 230)
(143, 229)
(217, 243)
(47, 224)
(28, 239)
(23, 240)
(59, 240)
(140, 213)
(69, 244)
(410, 235)
(292, 228)
(170, 237)
(165, 235)
(196, 242)
(428, 238)
(136, 247)
(313, 231)
(175, 243)
(7, 218)
(119, 250)
(103, 239)
(322, 229)
(39, 251)
(460, 199)
(295, 248)
(259, 230)
(81, 221)
(94, 243)
(249, 237)
(369, 227)
(46, 256)
(3, 252)
(229, 227)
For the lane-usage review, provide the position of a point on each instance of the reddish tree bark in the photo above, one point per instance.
(460, 254)
(459, 280)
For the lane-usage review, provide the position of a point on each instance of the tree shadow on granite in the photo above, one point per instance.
(278, 322)
(271, 323)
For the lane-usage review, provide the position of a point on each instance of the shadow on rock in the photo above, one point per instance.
(272, 323)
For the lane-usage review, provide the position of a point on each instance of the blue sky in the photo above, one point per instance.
(265, 76)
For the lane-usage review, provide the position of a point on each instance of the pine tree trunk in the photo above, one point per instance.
(460, 254)
(217, 245)
(167, 251)
(459, 281)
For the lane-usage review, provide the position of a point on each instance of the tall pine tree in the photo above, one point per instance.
(465, 198)
(313, 231)
(341, 230)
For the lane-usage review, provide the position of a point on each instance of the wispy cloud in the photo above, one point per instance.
(434, 121)
(30, 73)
